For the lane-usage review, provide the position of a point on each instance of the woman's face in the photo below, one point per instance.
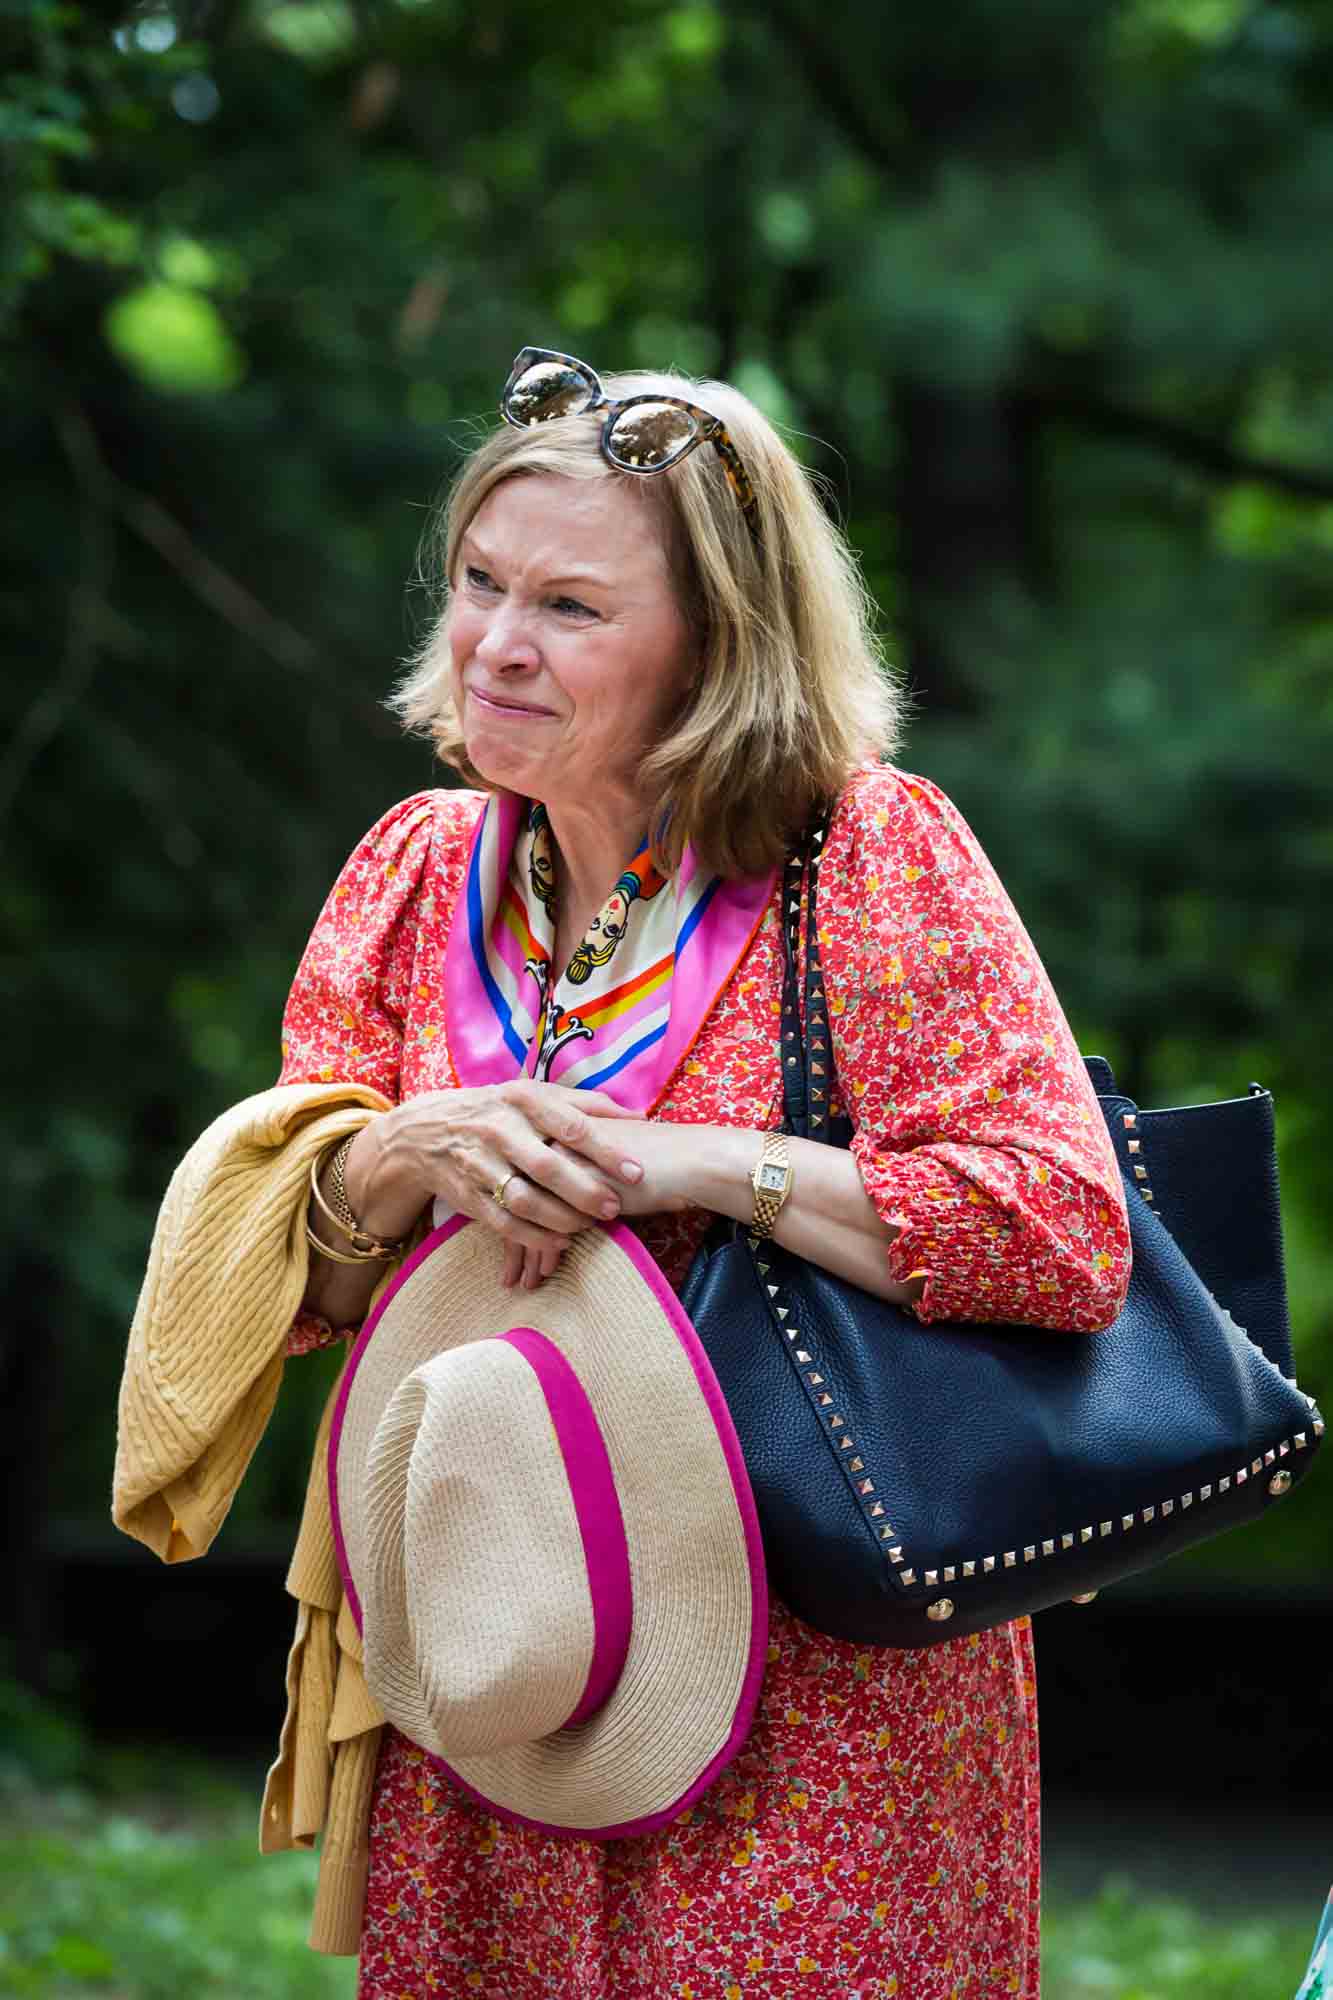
(570, 653)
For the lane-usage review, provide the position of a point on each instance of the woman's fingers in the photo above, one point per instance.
(560, 1196)
(581, 1128)
(597, 1102)
(526, 1268)
(549, 1140)
(520, 1217)
(540, 1265)
(552, 1156)
(550, 1259)
(560, 1174)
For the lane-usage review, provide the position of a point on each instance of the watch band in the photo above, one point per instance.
(771, 1182)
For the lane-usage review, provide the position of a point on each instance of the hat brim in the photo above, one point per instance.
(685, 1699)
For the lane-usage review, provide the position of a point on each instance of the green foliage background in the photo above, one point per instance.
(1043, 297)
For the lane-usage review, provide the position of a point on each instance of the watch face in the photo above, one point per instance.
(773, 1177)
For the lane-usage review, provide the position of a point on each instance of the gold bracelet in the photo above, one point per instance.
(340, 1256)
(342, 1207)
(364, 1239)
(346, 1224)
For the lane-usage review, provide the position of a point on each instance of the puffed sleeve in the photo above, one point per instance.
(345, 1014)
(977, 1132)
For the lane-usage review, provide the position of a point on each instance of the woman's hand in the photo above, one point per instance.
(665, 1154)
(559, 1154)
(671, 1157)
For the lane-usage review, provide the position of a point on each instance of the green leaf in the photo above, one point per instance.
(315, 32)
(183, 261)
(695, 33)
(81, 1959)
(785, 222)
(174, 340)
(82, 227)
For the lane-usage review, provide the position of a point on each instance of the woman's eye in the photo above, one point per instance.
(480, 579)
(572, 608)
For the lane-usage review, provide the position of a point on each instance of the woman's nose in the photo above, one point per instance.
(506, 644)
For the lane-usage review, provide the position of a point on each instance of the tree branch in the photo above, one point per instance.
(101, 498)
(209, 581)
(811, 49)
(45, 717)
(241, 609)
(1207, 454)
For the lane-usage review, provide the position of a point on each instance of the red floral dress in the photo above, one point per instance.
(879, 1833)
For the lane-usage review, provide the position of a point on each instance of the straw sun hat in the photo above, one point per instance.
(546, 1533)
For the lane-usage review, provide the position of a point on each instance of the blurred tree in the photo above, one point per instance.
(1046, 309)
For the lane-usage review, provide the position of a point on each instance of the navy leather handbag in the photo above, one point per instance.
(915, 1483)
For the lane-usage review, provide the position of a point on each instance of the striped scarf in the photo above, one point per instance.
(628, 1007)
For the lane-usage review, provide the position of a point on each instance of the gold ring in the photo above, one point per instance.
(498, 1191)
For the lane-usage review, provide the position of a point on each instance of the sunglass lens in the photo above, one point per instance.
(547, 389)
(647, 436)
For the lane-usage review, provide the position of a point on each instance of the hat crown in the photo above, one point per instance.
(479, 1559)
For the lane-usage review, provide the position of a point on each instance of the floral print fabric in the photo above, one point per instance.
(878, 1835)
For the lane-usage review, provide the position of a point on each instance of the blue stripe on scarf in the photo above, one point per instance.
(691, 922)
(594, 1082)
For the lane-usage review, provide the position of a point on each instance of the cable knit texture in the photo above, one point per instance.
(226, 1273)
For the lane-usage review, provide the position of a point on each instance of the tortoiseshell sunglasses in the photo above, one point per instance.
(643, 434)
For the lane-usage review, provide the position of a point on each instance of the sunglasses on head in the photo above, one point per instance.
(643, 434)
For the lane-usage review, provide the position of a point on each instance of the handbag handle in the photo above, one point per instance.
(807, 1053)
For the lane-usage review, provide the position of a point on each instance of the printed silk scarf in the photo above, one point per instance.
(631, 1002)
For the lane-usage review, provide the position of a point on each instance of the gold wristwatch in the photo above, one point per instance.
(771, 1181)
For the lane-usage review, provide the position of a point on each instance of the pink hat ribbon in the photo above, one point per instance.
(592, 1488)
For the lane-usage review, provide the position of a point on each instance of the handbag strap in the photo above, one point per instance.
(806, 1047)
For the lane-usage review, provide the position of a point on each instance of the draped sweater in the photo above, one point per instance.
(226, 1274)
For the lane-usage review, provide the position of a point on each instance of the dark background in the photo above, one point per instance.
(1041, 294)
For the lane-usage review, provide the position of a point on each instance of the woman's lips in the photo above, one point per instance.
(499, 707)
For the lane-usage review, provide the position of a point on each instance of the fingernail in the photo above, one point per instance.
(631, 1170)
(610, 1209)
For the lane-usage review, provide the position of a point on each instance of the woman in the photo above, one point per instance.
(651, 682)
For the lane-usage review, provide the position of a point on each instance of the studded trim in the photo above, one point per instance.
(1130, 1121)
(863, 1476)
(807, 1095)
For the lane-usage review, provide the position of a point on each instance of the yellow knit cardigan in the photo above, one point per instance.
(226, 1274)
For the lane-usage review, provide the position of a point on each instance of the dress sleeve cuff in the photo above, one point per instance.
(308, 1331)
(949, 1232)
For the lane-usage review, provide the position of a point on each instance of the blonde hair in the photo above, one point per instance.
(792, 693)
